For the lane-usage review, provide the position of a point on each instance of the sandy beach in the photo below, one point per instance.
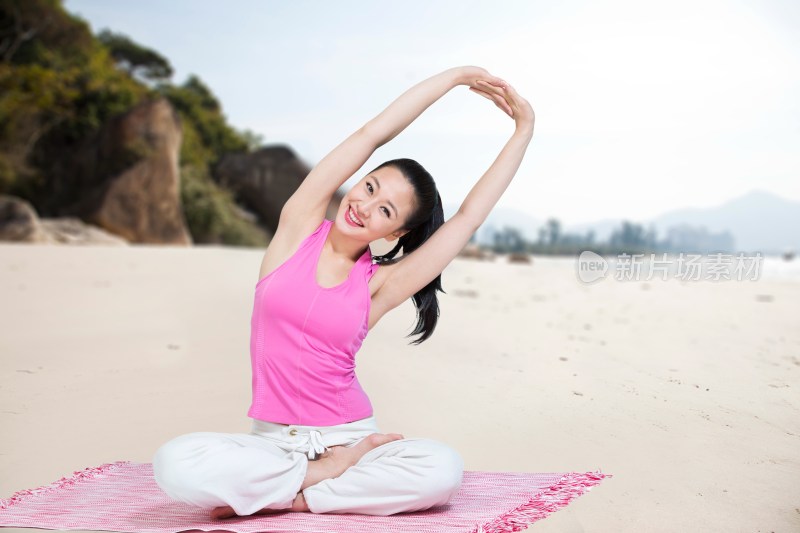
(688, 393)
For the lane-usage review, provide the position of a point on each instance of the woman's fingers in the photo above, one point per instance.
(485, 95)
(494, 80)
(508, 94)
(502, 104)
(496, 88)
(502, 92)
(483, 74)
(498, 101)
(501, 96)
(506, 98)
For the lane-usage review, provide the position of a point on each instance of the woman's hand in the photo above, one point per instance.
(503, 95)
(469, 75)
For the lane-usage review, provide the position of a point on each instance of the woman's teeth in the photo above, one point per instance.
(353, 218)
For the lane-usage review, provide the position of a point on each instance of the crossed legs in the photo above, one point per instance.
(329, 465)
(237, 474)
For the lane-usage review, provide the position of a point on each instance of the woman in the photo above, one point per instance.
(315, 444)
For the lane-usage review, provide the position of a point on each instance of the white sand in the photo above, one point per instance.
(686, 392)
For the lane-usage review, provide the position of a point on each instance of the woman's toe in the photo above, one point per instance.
(222, 512)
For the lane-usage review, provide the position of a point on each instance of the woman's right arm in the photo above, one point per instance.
(312, 197)
(409, 105)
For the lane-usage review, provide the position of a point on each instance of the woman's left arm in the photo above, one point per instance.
(403, 279)
(485, 194)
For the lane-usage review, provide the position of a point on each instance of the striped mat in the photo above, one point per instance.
(123, 496)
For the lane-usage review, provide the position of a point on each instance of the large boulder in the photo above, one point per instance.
(71, 230)
(473, 251)
(129, 178)
(265, 179)
(19, 222)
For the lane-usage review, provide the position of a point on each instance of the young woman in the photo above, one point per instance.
(315, 444)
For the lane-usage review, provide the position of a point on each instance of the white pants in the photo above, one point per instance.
(266, 467)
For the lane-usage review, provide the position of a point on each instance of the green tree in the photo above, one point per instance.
(207, 135)
(40, 31)
(134, 58)
(629, 237)
(553, 231)
(59, 84)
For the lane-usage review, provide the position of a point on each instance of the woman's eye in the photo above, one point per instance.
(369, 188)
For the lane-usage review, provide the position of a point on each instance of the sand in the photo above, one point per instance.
(687, 392)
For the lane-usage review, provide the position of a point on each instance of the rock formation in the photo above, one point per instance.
(265, 179)
(129, 176)
(19, 222)
(473, 251)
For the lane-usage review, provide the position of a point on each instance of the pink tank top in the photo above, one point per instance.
(304, 338)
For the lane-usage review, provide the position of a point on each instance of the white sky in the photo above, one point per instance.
(641, 106)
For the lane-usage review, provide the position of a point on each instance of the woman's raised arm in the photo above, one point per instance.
(311, 198)
(409, 105)
(404, 278)
(490, 187)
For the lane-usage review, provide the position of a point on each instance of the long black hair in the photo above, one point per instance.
(428, 216)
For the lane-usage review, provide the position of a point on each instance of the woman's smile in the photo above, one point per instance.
(352, 219)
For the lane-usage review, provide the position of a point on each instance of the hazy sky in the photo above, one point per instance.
(641, 106)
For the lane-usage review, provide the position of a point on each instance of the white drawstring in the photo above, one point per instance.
(315, 444)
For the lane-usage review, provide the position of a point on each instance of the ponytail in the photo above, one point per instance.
(427, 218)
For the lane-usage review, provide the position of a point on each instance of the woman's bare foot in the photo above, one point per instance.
(337, 459)
(330, 464)
(299, 504)
(219, 513)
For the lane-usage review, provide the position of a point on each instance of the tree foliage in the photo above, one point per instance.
(210, 136)
(134, 58)
(59, 84)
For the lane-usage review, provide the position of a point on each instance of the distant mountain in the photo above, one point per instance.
(759, 221)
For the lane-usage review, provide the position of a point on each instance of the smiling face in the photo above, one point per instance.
(381, 203)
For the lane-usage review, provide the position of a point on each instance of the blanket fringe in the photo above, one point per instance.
(76, 477)
(569, 487)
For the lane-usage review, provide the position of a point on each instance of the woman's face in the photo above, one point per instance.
(381, 202)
